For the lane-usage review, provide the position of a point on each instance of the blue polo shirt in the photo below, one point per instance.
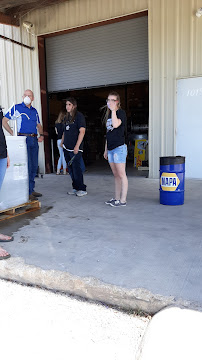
(25, 124)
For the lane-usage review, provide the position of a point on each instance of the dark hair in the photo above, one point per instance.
(73, 102)
(107, 112)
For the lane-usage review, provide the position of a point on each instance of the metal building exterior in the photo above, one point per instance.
(175, 51)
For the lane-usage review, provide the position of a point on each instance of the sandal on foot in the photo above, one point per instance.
(5, 240)
(5, 256)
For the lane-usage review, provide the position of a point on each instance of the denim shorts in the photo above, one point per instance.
(117, 155)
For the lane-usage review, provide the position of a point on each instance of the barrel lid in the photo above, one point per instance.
(172, 160)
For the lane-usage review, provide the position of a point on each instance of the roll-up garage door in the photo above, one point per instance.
(111, 54)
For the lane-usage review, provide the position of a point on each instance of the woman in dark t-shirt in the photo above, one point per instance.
(4, 163)
(115, 148)
(72, 141)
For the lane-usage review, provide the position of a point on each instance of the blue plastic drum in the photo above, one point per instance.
(172, 180)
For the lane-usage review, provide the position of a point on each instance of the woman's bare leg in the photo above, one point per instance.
(117, 179)
(121, 174)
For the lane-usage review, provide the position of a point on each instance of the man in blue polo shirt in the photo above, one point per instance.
(27, 125)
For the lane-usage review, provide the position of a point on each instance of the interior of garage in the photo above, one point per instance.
(87, 65)
(134, 100)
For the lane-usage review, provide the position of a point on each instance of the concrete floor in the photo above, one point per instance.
(144, 256)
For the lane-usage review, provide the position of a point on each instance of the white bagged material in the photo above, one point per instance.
(15, 188)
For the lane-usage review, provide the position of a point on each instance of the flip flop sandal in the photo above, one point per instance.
(5, 257)
(12, 238)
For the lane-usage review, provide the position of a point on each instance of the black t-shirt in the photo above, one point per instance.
(71, 131)
(60, 130)
(116, 136)
(3, 148)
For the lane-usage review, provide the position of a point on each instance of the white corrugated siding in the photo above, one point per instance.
(74, 13)
(0, 91)
(175, 50)
(92, 58)
(19, 71)
(19, 66)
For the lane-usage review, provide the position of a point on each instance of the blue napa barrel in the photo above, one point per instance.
(172, 180)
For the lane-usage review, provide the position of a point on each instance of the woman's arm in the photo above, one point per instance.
(8, 161)
(105, 152)
(62, 140)
(41, 135)
(6, 125)
(115, 121)
(82, 131)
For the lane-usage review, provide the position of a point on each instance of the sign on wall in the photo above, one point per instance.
(189, 125)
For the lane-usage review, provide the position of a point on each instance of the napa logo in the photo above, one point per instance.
(169, 181)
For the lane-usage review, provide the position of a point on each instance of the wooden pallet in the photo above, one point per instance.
(19, 210)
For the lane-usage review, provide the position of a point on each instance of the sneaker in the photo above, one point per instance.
(117, 203)
(109, 201)
(81, 193)
(58, 172)
(72, 192)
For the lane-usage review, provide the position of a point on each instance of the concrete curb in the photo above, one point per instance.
(138, 299)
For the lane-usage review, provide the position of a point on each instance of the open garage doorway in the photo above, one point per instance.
(87, 63)
(134, 100)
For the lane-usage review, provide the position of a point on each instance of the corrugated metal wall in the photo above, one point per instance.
(175, 50)
(75, 13)
(19, 70)
(0, 91)
(19, 67)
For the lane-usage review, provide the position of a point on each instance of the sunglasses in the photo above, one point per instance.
(111, 100)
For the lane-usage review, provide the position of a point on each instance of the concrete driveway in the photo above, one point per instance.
(143, 256)
(38, 324)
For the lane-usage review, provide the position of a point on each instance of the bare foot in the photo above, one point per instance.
(4, 254)
(5, 238)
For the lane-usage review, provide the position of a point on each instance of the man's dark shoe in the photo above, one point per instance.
(32, 197)
(34, 193)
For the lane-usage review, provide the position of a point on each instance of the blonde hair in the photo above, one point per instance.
(60, 117)
(107, 112)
